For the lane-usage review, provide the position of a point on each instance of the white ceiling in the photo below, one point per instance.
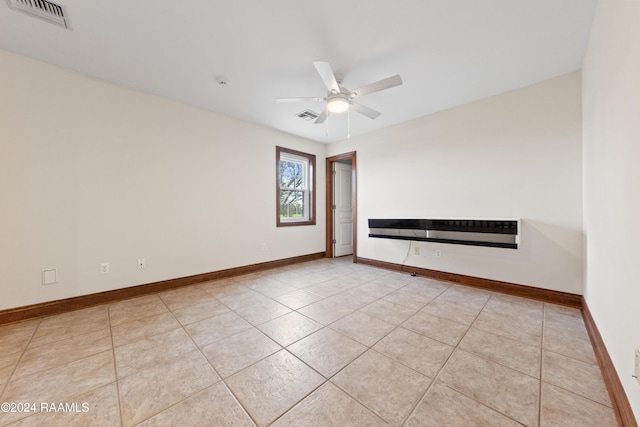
(448, 52)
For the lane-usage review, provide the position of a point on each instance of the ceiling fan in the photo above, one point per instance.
(339, 99)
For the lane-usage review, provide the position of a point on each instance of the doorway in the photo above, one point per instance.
(341, 213)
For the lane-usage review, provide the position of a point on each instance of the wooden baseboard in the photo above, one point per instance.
(539, 294)
(18, 314)
(618, 397)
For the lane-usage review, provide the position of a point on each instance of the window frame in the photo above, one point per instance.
(310, 186)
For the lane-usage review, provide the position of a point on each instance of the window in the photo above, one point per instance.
(295, 183)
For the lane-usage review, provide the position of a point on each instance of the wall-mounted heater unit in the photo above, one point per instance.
(497, 233)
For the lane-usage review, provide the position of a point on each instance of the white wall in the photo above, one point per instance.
(91, 172)
(611, 120)
(515, 155)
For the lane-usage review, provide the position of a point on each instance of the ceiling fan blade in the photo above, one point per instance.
(298, 99)
(327, 76)
(364, 110)
(383, 84)
(322, 117)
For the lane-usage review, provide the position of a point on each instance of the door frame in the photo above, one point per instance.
(329, 202)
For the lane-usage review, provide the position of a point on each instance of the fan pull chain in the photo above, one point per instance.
(327, 127)
(349, 122)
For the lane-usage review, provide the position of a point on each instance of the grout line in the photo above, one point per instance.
(115, 367)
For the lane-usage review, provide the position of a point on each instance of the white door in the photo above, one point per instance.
(342, 210)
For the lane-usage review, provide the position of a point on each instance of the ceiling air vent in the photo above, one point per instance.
(308, 115)
(42, 9)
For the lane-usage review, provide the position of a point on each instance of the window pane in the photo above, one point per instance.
(291, 204)
(291, 174)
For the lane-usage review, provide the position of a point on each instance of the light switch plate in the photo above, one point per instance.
(637, 369)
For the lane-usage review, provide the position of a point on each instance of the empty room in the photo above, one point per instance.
(360, 213)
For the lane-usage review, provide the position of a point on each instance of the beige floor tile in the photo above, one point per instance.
(298, 299)
(472, 297)
(363, 328)
(452, 310)
(305, 280)
(512, 305)
(348, 280)
(564, 332)
(503, 389)
(327, 351)
(561, 316)
(388, 311)
(162, 348)
(8, 362)
(329, 407)
(44, 357)
(325, 289)
(443, 330)
(393, 280)
(224, 287)
(202, 310)
(270, 287)
(373, 289)
(14, 338)
(143, 328)
(407, 298)
(416, 351)
(353, 298)
(368, 273)
(562, 408)
(155, 389)
(60, 384)
(574, 375)
(237, 300)
(214, 406)
(70, 324)
(272, 386)
(565, 319)
(98, 408)
(231, 354)
(214, 329)
(568, 343)
(504, 351)
(386, 387)
(262, 312)
(287, 329)
(136, 309)
(519, 328)
(443, 406)
(427, 288)
(183, 297)
(325, 311)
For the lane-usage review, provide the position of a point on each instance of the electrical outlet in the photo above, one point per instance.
(263, 247)
(637, 369)
(141, 263)
(416, 250)
(438, 254)
(104, 268)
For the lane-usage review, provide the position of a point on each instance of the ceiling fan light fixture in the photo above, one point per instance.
(338, 105)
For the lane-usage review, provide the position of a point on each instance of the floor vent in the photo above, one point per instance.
(308, 115)
(42, 9)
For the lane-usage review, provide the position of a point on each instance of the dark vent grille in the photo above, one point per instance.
(42, 9)
(308, 115)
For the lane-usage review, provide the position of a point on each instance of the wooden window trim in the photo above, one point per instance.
(311, 158)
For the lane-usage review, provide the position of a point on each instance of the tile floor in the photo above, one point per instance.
(322, 343)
